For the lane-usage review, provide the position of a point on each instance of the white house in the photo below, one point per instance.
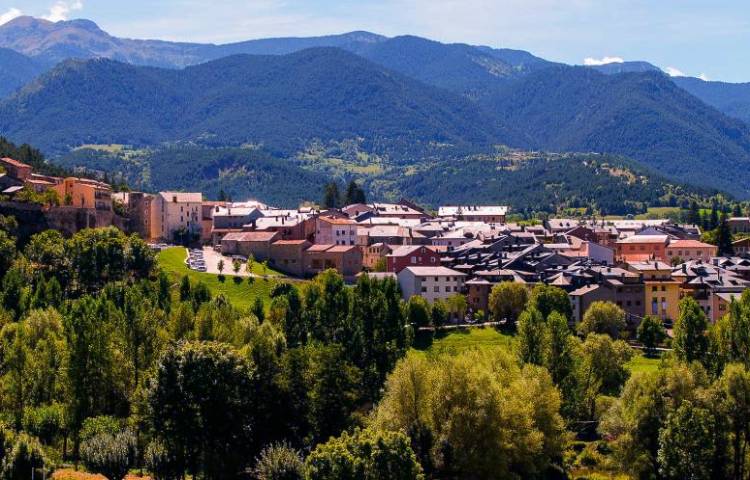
(173, 212)
(432, 283)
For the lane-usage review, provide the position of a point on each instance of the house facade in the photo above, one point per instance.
(432, 283)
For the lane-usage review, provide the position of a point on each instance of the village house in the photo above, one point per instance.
(741, 246)
(661, 291)
(335, 231)
(475, 213)
(346, 259)
(617, 285)
(288, 256)
(638, 248)
(739, 224)
(432, 283)
(686, 250)
(372, 254)
(177, 214)
(84, 193)
(249, 244)
(412, 256)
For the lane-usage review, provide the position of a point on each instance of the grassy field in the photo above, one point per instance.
(639, 363)
(242, 293)
(458, 340)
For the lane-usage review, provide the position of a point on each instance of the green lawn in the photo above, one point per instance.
(639, 363)
(241, 294)
(458, 340)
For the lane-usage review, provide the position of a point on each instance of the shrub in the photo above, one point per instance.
(24, 455)
(280, 462)
(109, 455)
(94, 426)
(161, 462)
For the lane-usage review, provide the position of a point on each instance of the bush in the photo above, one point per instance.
(280, 462)
(161, 462)
(46, 422)
(110, 455)
(94, 426)
(24, 455)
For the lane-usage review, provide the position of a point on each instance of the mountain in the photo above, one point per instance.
(17, 70)
(731, 98)
(644, 116)
(282, 102)
(625, 67)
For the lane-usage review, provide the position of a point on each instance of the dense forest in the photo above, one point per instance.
(528, 181)
(109, 364)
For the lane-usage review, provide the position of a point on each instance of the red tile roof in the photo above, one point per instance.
(15, 163)
(690, 244)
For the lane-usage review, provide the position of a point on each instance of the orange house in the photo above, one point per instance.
(689, 250)
(640, 248)
(85, 193)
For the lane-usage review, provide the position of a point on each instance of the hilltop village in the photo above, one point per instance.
(643, 266)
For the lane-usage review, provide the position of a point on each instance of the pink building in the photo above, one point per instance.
(335, 231)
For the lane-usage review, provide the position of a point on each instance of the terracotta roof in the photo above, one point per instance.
(645, 239)
(690, 244)
(337, 221)
(290, 242)
(319, 247)
(15, 163)
(251, 236)
(342, 248)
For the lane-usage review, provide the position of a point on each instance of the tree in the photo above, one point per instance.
(366, 454)
(651, 333)
(236, 266)
(110, 455)
(548, 299)
(633, 421)
(439, 313)
(693, 217)
(729, 337)
(220, 266)
(354, 194)
(724, 237)
(507, 301)
(531, 336)
(280, 462)
(602, 370)
(687, 444)
(479, 413)
(160, 462)
(418, 311)
(24, 456)
(560, 358)
(200, 400)
(733, 392)
(603, 317)
(7, 252)
(690, 342)
(335, 393)
(331, 196)
(457, 306)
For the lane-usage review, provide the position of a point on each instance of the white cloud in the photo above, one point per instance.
(592, 62)
(10, 15)
(704, 77)
(61, 9)
(674, 72)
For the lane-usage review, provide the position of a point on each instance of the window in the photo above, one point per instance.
(663, 288)
(654, 288)
(447, 289)
(432, 259)
(436, 289)
(424, 289)
(413, 259)
(654, 307)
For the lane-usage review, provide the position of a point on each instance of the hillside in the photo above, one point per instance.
(17, 70)
(644, 116)
(278, 101)
(528, 181)
(731, 98)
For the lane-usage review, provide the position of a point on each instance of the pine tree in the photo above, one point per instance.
(724, 237)
(331, 196)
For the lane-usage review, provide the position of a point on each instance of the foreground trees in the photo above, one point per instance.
(479, 414)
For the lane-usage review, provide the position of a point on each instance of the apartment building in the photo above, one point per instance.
(432, 283)
(176, 214)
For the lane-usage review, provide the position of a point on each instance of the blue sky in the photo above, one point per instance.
(706, 37)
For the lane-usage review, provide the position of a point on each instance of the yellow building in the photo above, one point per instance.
(661, 292)
(85, 193)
